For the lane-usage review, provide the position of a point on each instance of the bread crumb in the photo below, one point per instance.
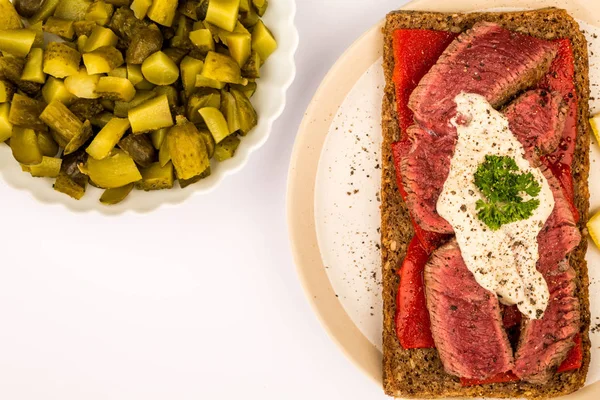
(393, 245)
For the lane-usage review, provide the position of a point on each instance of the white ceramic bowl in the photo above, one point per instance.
(269, 100)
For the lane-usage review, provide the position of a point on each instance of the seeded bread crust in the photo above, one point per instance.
(419, 373)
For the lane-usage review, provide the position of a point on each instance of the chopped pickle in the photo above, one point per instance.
(99, 12)
(116, 195)
(48, 168)
(6, 127)
(151, 115)
(82, 84)
(117, 89)
(263, 41)
(60, 27)
(124, 23)
(171, 93)
(47, 144)
(176, 54)
(62, 121)
(100, 37)
(39, 34)
(24, 146)
(209, 141)
(84, 135)
(86, 108)
(139, 147)
(182, 33)
(244, 5)
(158, 136)
(163, 11)
(190, 68)
(122, 108)
(252, 67)
(156, 177)
(84, 28)
(25, 112)
(247, 114)
(107, 105)
(140, 8)
(61, 60)
(81, 41)
(72, 9)
(46, 10)
(17, 42)
(7, 90)
(145, 41)
(134, 74)
(249, 18)
(102, 119)
(239, 45)
(203, 98)
(248, 90)
(71, 164)
(226, 149)
(222, 68)
(65, 184)
(183, 183)
(189, 8)
(202, 39)
(261, 6)
(34, 69)
(102, 60)
(187, 149)
(223, 13)
(106, 140)
(9, 18)
(230, 111)
(119, 72)
(116, 170)
(216, 123)
(163, 154)
(204, 82)
(159, 69)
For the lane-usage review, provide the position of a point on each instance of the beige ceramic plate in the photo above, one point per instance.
(310, 141)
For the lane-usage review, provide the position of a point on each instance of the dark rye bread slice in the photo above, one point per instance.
(419, 373)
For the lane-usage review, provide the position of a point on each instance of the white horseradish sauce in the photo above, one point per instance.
(502, 261)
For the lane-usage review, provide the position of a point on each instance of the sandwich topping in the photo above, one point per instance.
(497, 204)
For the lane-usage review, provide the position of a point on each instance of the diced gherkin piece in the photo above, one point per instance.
(183, 183)
(82, 84)
(62, 121)
(17, 42)
(187, 149)
(100, 37)
(204, 97)
(144, 42)
(48, 168)
(65, 184)
(60, 27)
(99, 12)
(140, 8)
(46, 10)
(122, 108)
(84, 28)
(6, 128)
(216, 123)
(190, 68)
(140, 148)
(61, 60)
(202, 39)
(159, 69)
(222, 68)
(34, 67)
(263, 41)
(116, 170)
(83, 136)
(86, 108)
(25, 112)
(7, 90)
(247, 115)
(163, 12)
(47, 144)
(156, 177)
(261, 6)
(251, 68)
(116, 195)
(24, 146)
(151, 115)
(72, 9)
(223, 13)
(106, 140)
(230, 111)
(239, 45)
(102, 60)
(116, 89)
(158, 136)
(9, 18)
(227, 148)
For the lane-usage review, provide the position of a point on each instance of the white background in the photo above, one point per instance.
(198, 301)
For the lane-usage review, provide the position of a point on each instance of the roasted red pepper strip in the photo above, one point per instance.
(500, 378)
(412, 318)
(415, 52)
(574, 359)
(561, 78)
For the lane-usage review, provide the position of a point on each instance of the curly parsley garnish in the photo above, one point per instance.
(501, 183)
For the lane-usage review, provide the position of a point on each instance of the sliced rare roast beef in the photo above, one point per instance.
(424, 171)
(537, 119)
(487, 60)
(465, 318)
